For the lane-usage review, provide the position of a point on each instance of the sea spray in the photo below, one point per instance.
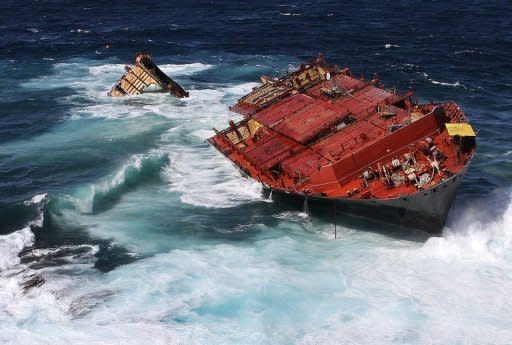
(12, 244)
(475, 236)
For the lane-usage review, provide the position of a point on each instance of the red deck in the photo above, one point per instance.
(338, 136)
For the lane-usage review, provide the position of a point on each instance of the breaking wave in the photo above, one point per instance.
(12, 244)
(475, 236)
(37, 286)
(140, 169)
(36, 199)
(34, 282)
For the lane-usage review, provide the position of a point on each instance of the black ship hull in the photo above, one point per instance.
(426, 210)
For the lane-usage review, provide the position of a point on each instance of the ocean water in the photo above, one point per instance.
(120, 225)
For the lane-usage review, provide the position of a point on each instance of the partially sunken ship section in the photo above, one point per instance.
(145, 73)
(323, 135)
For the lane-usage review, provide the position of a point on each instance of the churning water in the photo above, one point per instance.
(119, 224)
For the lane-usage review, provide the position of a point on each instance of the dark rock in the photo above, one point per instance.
(32, 282)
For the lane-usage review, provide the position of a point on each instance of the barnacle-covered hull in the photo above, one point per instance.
(321, 134)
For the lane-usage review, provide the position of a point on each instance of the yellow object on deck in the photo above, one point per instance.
(253, 125)
(460, 129)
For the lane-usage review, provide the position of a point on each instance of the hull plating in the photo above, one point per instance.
(426, 210)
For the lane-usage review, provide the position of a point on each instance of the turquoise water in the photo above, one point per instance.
(143, 233)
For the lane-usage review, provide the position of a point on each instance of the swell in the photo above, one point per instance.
(138, 171)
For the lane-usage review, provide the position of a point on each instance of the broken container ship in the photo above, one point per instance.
(323, 135)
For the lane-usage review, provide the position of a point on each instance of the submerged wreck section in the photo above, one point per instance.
(319, 133)
(143, 74)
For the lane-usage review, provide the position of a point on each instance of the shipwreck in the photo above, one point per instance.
(145, 75)
(322, 135)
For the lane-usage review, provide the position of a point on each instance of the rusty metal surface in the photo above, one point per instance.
(336, 136)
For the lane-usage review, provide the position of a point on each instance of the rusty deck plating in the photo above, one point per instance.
(319, 131)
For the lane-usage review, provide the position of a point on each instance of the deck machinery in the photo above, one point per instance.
(321, 134)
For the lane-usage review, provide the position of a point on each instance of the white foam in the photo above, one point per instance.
(241, 89)
(12, 244)
(295, 216)
(279, 290)
(24, 304)
(107, 68)
(456, 84)
(202, 176)
(171, 69)
(482, 240)
(201, 184)
(184, 69)
(203, 133)
(36, 199)
(23, 308)
(94, 82)
(435, 82)
(201, 104)
(207, 179)
(91, 83)
(42, 252)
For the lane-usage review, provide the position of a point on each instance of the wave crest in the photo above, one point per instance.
(140, 169)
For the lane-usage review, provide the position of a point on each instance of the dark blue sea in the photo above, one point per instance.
(120, 225)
